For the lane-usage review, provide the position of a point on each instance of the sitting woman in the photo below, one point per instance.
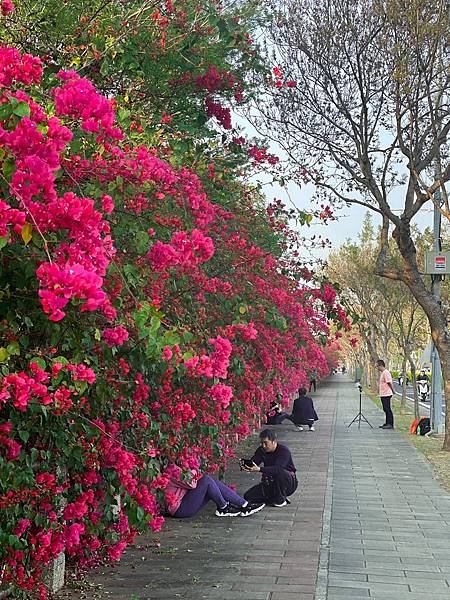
(275, 415)
(185, 499)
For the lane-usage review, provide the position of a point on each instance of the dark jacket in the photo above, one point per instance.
(303, 411)
(273, 461)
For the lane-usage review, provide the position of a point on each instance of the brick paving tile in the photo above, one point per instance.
(386, 515)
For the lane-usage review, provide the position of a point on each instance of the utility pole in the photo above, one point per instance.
(436, 374)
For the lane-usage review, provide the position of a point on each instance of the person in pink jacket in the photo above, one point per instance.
(185, 499)
(386, 392)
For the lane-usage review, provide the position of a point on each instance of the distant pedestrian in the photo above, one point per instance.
(313, 380)
(279, 479)
(303, 411)
(386, 392)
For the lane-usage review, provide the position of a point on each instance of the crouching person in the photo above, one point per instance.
(303, 411)
(274, 462)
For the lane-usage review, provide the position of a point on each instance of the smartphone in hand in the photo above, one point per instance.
(246, 462)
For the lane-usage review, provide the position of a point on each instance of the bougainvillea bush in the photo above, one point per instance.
(149, 313)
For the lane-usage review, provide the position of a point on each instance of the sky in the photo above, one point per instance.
(349, 219)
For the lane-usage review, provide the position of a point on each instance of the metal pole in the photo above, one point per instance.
(436, 406)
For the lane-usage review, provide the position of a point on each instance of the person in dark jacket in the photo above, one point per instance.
(279, 479)
(303, 411)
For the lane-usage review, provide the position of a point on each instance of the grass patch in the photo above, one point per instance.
(430, 447)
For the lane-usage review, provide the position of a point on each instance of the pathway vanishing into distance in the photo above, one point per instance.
(368, 521)
(389, 534)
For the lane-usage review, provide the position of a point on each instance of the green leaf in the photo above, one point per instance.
(24, 435)
(60, 359)
(123, 113)
(13, 349)
(28, 322)
(6, 110)
(24, 341)
(3, 241)
(155, 324)
(142, 241)
(22, 110)
(80, 386)
(39, 361)
(27, 233)
(8, 168)
(13, 540)
(170, 338)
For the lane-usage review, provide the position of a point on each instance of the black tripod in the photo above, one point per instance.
(359, 416)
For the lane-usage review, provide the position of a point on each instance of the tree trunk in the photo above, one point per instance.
(371, 371)
(403, 400)
(412, 364)
(433, 310)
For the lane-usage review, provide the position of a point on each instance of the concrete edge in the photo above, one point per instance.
(321, 592)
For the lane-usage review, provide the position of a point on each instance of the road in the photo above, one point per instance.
(409, 392)
(410, 396)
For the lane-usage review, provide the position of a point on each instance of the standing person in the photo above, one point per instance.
(303, 411)
(313, 380)
(386, 392)
(185, 499)
(279, 479)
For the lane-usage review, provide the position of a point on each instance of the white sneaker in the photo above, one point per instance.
(280, 505)
(312, 428)
(299, 427)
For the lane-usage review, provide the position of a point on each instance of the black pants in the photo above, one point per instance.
(386, 402)
(274, 488)
(313, 384)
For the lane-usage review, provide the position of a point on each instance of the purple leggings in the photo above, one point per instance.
(207, 489)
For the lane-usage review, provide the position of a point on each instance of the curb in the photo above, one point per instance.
(321, 592)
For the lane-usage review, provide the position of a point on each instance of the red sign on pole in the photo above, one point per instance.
(440, 263)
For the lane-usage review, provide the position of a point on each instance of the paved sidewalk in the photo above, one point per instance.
(272, 555)
(390, 519)
(368, 521)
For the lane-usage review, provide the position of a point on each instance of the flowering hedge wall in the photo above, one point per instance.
(150, 308)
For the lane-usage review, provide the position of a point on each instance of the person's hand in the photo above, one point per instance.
(253, 469)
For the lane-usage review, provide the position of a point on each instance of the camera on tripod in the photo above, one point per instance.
(359, 417)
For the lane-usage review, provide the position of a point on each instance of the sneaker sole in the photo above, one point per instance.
(238, 514)
(252, 512)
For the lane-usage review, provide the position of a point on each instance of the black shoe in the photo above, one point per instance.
(228, 511)
(251, 509)
(281, 504)
(387, 426)
(382, 426)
